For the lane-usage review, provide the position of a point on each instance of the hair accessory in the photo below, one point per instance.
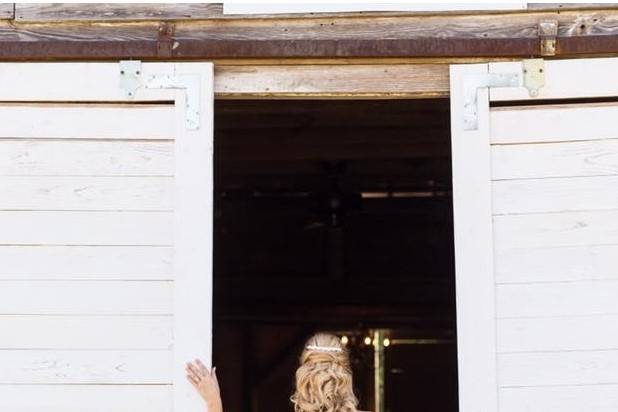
(324, 348)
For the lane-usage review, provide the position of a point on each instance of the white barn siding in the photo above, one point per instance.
(86, 242)
(555, 219)
(537, 262)
(90, 236)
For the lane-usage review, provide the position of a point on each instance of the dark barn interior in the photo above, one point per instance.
(335, 215)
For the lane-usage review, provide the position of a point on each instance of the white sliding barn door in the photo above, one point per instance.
(105, 236)
(535, 191)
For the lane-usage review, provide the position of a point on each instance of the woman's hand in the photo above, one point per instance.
(206, 383)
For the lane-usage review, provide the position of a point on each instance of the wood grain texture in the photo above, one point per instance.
(556, 229)
(557, 299)
(591, 158)
(86, 398)
(85, 297)
(86, 158)
(532, 264)
(589, 398)
(63, 12)
(87, 121)
(558, 368)
(85, 332)
(86, 263)
(62, 367)
(86, 228)
(550, 334)
(553, 123)
(498, 35)
(554, 195)
(332, 80)
(7, 11)
(86, 193)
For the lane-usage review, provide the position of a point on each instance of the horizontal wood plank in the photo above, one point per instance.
(86, 263)
(589, 398)
(557, 334)
(86, 158)
(62, 367)
(558, 368)
(85, 332)
(86, 398)
(443, 35)
(553, 123)
(531, 264)
(86, 228)
(87, 121)
(59, 12)
(554, 195)
(86, 193)
(332, 80)
(76, 82)
(556, 229)
(20, 297)
(557, 299)
(7, 11)
(591, 158)
(563, 79)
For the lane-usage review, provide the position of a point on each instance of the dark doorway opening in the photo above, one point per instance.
(335, 215)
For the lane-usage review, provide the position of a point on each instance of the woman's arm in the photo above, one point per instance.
(206, 383)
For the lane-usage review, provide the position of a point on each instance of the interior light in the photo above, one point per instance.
(387, 342)
(367, 340)
(344, 340)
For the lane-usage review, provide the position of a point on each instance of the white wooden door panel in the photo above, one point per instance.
(63, 367)
(86, 332)
(567, 159)
(552, 287)
(526, 300)
(558, 333)
(86, 228)
(556, 229)
(86, 398)
(553, 369)
(553, 123)
(564, 79)
(87, 121)
(105, 235)
(86, 297)
(554, 195)
(76, 193)
(532, 264)
(80, 82)
(589, 398)
(28, 157)
(86, 262)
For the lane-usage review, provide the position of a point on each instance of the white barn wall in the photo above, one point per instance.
(555, 213)
(86, 245)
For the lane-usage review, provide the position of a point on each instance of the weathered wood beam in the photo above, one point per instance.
(587, 32)
(6, 11)
(404, 80)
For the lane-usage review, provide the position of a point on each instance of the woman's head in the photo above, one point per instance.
(324, 377)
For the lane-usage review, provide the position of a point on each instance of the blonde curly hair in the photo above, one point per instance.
(324, 377)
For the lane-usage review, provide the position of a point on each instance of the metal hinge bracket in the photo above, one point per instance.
(131, 79)
(474, 82)
(534, 75)
(548, 32)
